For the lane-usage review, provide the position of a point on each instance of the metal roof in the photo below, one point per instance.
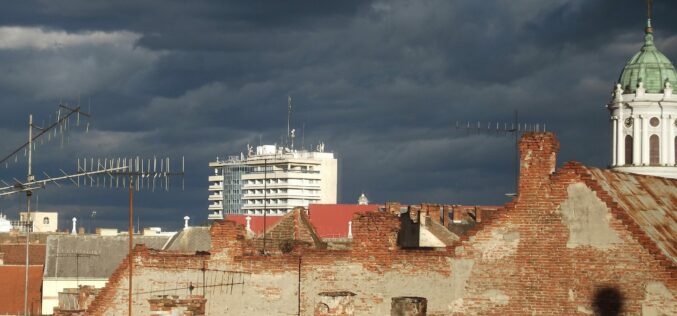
(190, 239)
(90, 256)
(650, 201)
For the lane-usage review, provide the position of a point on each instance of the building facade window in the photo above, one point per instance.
(654, 150)
(628, 149)
(45, 220)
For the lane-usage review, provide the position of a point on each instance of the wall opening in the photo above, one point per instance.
(628, 149)
(335, 303)
(408, 306)
(654, 150)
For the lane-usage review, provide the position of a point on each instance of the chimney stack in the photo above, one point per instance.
(538, 159)
(249, 223)
(458, 214)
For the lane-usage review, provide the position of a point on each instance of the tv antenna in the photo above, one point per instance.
(514, 128)
(134, 173)
(289, 131)
(60, 126)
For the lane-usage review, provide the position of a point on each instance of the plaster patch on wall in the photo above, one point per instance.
(587, 218)
(461, 268)
(490, 298)
(572, 295)
(497, 297)
(584, 310)
(658, 300)
(503, 242)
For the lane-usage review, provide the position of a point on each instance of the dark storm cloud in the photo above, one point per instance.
(381, 83)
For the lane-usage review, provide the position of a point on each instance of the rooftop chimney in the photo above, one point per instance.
(185, 221)
(75, 230)
(249, 223)
(538, 158)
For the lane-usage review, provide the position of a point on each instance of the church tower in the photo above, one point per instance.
(644, 114)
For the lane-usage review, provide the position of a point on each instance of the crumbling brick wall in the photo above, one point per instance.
(528, 258)
(193, 305)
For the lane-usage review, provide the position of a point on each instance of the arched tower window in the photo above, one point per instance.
(628, 149)
(654, 150)
(45, 220)
(675, 148)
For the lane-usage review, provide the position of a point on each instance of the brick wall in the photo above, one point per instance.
(193, 305)
(529, 258)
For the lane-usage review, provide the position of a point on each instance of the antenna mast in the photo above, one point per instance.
(288, 120)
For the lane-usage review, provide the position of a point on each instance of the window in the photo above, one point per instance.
(654, 150)
(45, 220)
(654, 121)
(628, 149)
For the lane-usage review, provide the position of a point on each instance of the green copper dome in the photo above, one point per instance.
(648, 66)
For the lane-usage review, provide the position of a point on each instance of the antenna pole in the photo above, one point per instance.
(131, 240)
(288, 119)
(28, 209)
(265, 201)
(517, 153)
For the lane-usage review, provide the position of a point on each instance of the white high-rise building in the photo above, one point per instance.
(644, 114)
(271, 178)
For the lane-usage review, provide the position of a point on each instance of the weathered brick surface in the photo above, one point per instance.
(193, 305)
(530, 258)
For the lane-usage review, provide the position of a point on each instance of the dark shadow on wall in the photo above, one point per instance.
(608, 301)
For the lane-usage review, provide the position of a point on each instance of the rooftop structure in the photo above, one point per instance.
(644, 113)
(271, 178)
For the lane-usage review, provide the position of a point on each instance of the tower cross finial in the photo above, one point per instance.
(649, 15)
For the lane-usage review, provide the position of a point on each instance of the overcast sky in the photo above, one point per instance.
(381, 83)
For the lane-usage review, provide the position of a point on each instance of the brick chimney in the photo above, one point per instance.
(538, 158)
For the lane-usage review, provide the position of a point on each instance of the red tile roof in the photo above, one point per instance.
(16, 253)
(12, 289)
(331, 220)
(256, 222)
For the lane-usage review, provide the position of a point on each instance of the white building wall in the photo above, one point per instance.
(43, 222)
(641, 108)
(52, 286)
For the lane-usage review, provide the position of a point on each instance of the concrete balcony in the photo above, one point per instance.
(274, 206)
(282, 175)
(260, 186)
(213, 217)
(215, 178)
(216, 207)
(215, 188)
(217, 197)
(254, 196)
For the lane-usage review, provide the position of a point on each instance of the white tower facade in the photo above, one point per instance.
(644, 114)
(272, 179)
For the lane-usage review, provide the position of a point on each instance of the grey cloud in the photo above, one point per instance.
(381, 83)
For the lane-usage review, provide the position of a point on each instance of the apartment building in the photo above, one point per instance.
(273, 179)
